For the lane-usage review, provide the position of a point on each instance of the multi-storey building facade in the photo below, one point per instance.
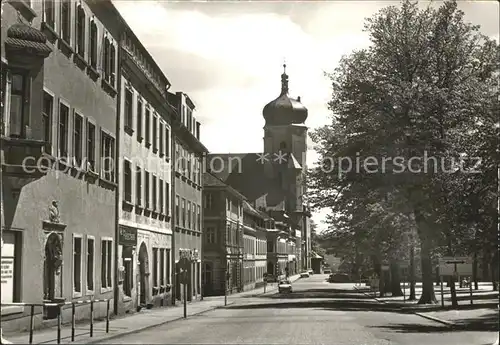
(144, 233)
(223, 239)
(188, 153)
(59, 97)
(254, 250)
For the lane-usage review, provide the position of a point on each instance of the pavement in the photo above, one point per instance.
(133, 323)
(316, 312)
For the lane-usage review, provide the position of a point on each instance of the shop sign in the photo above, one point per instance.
(127, 236)
(185, 254)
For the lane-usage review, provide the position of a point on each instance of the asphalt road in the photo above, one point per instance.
(315, 313)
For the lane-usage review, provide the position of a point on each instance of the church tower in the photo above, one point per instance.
(285, 133)
(285, 130)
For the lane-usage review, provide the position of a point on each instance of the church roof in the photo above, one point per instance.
(247, 174)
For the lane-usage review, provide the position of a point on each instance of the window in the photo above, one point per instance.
(147, 200)
(160, 198)
(77, 266)
(167, 266)
(128, 108)
(93, 44)
(127, 180)
(138, 187)
(154, 137)
(50, 13)
(207, 200)
(189, 214)
(155, 270)
(90, 264)
(210, 235)
(270, 246)
(167, 142)
(63, 130)
(162, 267)
(228, 201)
(66, 20)
(167, 198)
(177, 212)
(77, 139)
(161, 143)
(48, 104)
(80, 30)
(155, 199)
(194, 216)
(183, 212)
(90, 146)
(199, 218)
(139, 120)
(106, 263)
(19, 105)
(108, 156)
(147, 123)
(109, 60)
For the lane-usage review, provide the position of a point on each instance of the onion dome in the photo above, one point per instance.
(24, 37)
(284, 110)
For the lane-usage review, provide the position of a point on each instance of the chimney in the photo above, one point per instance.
(298, 99)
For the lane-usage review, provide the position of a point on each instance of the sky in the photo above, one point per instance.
(228, 56)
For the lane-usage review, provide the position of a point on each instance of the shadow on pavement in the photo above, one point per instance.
(486, 323)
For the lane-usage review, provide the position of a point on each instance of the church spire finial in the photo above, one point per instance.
(284, 81)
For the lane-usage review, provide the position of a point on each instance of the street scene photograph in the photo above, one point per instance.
(250, 172)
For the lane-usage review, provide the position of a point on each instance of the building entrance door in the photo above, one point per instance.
(143, 274)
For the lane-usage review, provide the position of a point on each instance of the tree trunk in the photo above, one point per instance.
(395, 280)
(474, 271)
(485, 266)
(494, 270)
(438, 278)
(428, 296)
(412, 274)
(453, 291)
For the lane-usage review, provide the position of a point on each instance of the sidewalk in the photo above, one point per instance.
(482, 315)
(134, 323)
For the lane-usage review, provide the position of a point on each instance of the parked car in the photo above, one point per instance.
(304, 274)
(339, 278)
(328, 271)
(284, 286)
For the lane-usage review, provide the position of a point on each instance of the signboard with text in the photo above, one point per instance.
(461, 266)
(127, 236)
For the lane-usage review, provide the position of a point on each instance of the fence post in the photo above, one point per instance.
(59, 315)
(91, 318)
(107, 316)
(32, 316)
(73, 321)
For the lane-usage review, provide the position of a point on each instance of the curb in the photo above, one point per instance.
(432, 318)
(141, 329)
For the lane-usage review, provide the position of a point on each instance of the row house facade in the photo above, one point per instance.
(58, 133)
(223, 239)
(144, 229)
(255, 247)
(186, 193)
